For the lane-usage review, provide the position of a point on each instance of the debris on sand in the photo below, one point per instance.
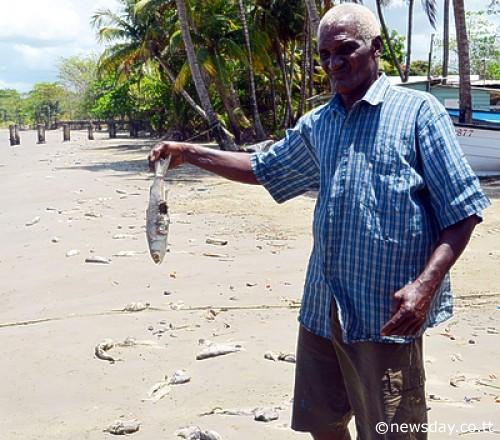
(128, 253)
(212, 349)
(265, 414)
(455, 380)
(259, 414)
(33, 221)
(122, 427)
(216, 241)
(284, 357)
(195, 433)
(97, 259)
(161, 389)
(122, 236)
(55, 240)
(136, 307)
(101, 349)
(215, 255)
(72, 252)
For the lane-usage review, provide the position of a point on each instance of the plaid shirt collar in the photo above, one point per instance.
(374, 96)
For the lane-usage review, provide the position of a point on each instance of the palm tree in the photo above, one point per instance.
(395, 60)
(430, 10)
(465, 114)
(223, 140)
(312, 12)
(446, 39)
(259, 130)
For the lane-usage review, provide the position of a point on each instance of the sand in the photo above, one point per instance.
(87, 192)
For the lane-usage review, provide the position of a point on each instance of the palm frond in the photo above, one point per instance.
(429, 7)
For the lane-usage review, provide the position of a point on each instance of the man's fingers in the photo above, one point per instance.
(391, 324)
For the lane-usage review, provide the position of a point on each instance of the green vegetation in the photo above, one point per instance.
(244, 69)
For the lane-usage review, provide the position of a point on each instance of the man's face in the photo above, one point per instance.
(348, 60)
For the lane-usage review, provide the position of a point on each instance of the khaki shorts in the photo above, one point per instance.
(375, 382)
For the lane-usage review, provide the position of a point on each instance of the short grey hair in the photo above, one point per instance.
(367, 25)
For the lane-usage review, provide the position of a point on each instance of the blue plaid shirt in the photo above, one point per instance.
(390, 176)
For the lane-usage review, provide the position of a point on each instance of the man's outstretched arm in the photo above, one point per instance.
(231, 165)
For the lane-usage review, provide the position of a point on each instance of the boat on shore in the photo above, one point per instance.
(480, 141)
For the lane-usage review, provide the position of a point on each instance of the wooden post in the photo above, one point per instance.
(91, 131)
(41, 133)
(12, 135)
(66, 132)
(16, 132)
(112, 128)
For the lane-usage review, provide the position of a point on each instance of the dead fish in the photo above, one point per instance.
(122, 427)
(161, 389)
(265, 414)
(179, 377)
(102, 348)
(195, 433)
(128, 253)
(216, 241)
(97, 259)
(285, 357)
(136, 307)
(214, 255)
(213, 350)
(157, 217)
(158, 391)
(33, 221)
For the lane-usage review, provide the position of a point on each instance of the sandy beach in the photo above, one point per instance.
(64, 202)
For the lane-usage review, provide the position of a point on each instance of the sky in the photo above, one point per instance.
(35, 34)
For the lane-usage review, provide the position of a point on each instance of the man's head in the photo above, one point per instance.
(349, 46)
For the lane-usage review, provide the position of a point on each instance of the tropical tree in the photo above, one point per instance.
(446, 39)
(259, 130)
(222, 139)
(465, 99)
(389, 43)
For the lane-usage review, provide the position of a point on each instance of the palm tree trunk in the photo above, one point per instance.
(388, 39)
(288, 93)
(465, 98)
(303, 70)
(229, 107)
(224, 142)
(411, 4)
(312, 12)
(260, 134)
(446, 39)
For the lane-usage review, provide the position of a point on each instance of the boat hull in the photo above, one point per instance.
(481, 147)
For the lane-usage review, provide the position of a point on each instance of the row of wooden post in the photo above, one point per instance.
(40, 128)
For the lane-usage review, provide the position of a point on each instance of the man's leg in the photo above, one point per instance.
(320, 405)
(385, 384)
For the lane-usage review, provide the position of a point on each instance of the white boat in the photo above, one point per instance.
(481, 146)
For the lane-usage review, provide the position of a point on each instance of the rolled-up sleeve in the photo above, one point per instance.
(455, 192)
(289, 168)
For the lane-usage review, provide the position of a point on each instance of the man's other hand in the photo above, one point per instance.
(409, 310)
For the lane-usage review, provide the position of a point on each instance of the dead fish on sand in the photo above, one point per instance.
(212, 350)
(157, 217)
(136, 307)
(122, 427)
(161, 389)
(285, 357)
(195, 433)
(33, 221)
(101, 349)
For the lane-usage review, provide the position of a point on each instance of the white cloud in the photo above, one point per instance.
(19, 86)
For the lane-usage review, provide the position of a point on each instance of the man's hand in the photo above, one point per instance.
(162, 149)
(409, 310)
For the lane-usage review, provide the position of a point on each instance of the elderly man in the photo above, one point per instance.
(397, 204)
